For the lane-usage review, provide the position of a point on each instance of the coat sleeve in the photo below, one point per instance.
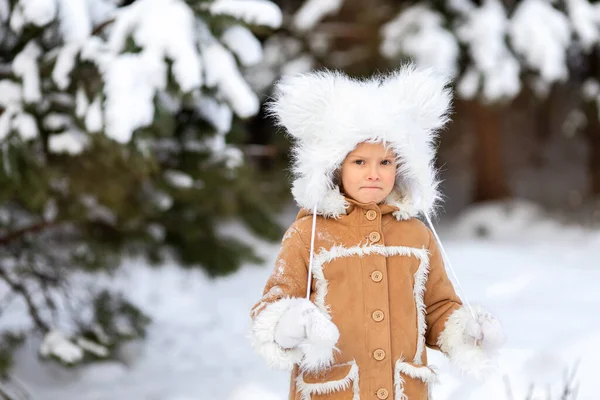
(447, 320)
(287, 282)
(440, 298)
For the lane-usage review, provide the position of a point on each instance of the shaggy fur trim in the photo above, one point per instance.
(328, 114)
(317, 356)
(468, 357)
(422, 372)
(263, 336)
(419, 292)
(326, 256)
(308, 389)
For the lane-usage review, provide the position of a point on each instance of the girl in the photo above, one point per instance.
(359, 287)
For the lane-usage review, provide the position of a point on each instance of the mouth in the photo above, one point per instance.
(370, 187)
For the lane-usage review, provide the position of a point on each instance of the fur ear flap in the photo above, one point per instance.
(305, 104)
(421, 94)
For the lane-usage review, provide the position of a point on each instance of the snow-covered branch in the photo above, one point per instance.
(493, 53)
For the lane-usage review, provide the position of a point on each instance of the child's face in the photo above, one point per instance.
(369, 173)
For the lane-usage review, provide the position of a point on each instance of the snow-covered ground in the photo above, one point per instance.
(538, 276)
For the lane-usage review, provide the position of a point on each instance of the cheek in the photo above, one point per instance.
(348, 176)
(347, 181)
(390, 178)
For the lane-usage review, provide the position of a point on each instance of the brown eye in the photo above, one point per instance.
(359, 162)
(386, 162)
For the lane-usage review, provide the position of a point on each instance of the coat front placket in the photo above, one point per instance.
(374, 276)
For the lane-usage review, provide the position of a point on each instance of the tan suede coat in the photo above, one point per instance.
(383, 284)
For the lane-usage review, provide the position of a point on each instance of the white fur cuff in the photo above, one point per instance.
(476, 359)
(263, 336)
(314, 353)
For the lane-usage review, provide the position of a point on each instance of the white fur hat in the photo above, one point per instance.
(329, 114)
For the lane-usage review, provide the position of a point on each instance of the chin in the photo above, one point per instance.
(372, 199)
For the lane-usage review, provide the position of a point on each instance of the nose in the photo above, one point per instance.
(373, 173)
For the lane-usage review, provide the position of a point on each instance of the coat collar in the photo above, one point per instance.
(393, 204)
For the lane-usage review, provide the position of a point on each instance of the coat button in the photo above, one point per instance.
(371, 215)
(382, 394)
(374, 236)
(379, 354)
(377, 315)
(376, 276)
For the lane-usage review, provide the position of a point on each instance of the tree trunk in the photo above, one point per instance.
(490, 176)
(592, 133)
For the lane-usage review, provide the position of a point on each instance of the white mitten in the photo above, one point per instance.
(470, 342)
(304, 326)
(321, 337)
(485, 331)
(291, 328)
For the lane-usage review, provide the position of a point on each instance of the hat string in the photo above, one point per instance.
(449, 265)
(312, 250)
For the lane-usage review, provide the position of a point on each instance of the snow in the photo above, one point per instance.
(132, 80)
(56, 344)
(131, 83)
(6, 124)
(537, 275)
(50, 210)
(222, 72)
(483, 31)
(299, 65)
(25, 66)
(4, 10)
(218, 114)
(313, 11)
(585, 20)
(179, 179)
(233, 157)
(461, 6)
(163, 201)
(25, 124)
(17, 20)
(166, 29)
(541, 35)
(253, 12)
(243, 44)
(418, 32)
(100, 10)
(92, 347)
(68, 142)
(469, 84)
(75, 22)
(172, 38)
(591, 91)
(64, 65)
(11, 94)
(252, 391)
(38, 12)
(93, 117)
(81, 102)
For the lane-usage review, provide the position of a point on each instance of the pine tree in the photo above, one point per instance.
(493, 50)
(120, 135)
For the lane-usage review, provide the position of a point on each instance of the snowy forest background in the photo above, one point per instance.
(143, 192)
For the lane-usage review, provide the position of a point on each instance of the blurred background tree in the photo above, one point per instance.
(121, 134)
(524, 74)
